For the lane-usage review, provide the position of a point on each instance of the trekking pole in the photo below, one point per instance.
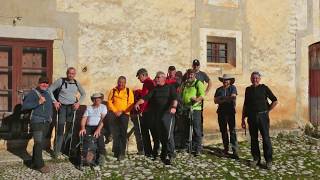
(127, 147)
(56, 129)
(139, 125)
(72, 128)
(81, 152)
(190, 129)
(245, 131)
(170, 127)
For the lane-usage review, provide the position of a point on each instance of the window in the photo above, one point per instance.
(216, 52)
(221, 50)
(22, 62)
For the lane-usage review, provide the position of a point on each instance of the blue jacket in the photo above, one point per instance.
(40, 112)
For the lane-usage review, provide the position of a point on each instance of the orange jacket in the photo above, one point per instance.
(119, 100)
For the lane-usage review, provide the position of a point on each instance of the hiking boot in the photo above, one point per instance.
(225, 152)
(108, 139)
(101, 159)
(140, 153)
(269, 165)
(44, 169)
(167, 161)
(235, 156)
(120, 158)
(254, 163)
(197, 153)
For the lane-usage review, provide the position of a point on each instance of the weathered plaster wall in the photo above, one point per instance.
(117, 37)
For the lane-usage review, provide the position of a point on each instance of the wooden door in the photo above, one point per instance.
(314, 83)
(22, 62)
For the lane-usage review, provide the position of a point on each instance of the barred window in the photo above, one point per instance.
(217, 52)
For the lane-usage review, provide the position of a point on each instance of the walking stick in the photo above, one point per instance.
(170, 127)
(245, 131)
(56, 129)
(127, 147)
(72, 128)
(81, 152)
(139, 125)
(190, 129)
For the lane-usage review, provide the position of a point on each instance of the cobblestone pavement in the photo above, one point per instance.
(295, 157)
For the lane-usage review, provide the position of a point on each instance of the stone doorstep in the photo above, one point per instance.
(22, 149)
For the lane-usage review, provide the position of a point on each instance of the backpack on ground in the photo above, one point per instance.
(89, 151)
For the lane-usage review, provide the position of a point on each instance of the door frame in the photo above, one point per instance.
(17, 47)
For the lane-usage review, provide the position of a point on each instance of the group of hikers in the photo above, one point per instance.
(166, 112)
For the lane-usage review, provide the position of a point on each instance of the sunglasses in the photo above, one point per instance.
(46, 82)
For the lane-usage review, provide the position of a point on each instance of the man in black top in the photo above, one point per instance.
(163, 104)
(203, 77)
(256, 108)
(225, 96)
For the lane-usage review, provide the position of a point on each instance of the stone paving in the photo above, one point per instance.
(295, 157)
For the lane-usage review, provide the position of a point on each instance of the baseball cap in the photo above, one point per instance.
(196, 62)
(43, 79)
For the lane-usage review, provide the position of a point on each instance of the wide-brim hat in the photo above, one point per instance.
(97, 95)
(227, 77)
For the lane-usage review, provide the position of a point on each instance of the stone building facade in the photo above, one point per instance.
(104, 39)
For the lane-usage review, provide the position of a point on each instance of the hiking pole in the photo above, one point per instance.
(127, 147)
(81, 152)
(72, 128)
(190, 129)
(56, 129)
(245, 131)
(139, 125)
(170, 127)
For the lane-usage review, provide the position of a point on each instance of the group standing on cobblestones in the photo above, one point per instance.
(168, 107)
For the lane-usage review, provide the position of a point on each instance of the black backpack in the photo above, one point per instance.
(89, 151)
(64, 82)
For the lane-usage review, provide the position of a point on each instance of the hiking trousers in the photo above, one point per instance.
(260, 122)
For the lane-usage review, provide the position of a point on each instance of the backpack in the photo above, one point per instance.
(89, 151)
(195, 85)
(113, 91)
(64, 82)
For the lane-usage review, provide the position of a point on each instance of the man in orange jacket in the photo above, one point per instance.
(120, 102)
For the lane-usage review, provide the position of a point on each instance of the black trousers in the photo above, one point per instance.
(197, 133)
(136, 120)
(165, 123)
(64, 134)
(148, 125)
(100, 141)
(179, 131)
(119, 127)
(260, 122)
(39, 131)
(226, 120)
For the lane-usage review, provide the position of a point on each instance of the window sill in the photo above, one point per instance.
(221, 68)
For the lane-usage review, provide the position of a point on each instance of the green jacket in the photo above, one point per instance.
(195, 89)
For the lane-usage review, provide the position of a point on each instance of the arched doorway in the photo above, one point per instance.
(314, 83)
